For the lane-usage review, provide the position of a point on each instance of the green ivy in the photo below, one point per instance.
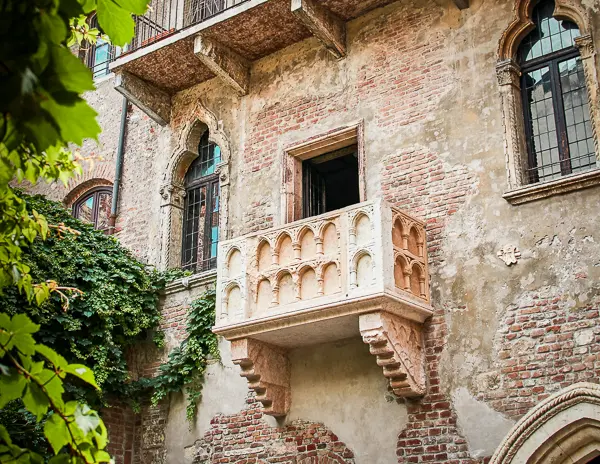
(117, 308)
(187, 363)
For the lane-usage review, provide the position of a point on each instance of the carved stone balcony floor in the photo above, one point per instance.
(361, 270)
(179, 58)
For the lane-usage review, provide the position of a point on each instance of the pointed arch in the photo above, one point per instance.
(564, 426)
(522, 24)
(172, 191)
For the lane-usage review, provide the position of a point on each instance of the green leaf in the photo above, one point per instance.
(4, 436)
(137, 7)
(56, 359)
(67, 72)
(35, 401)
(76, 122)
(60, 459)
(52, 26)
(82, 372)
(11, 387)
(115, 21)
(57, 433)
(86, 419)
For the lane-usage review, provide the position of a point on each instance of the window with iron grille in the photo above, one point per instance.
(557, 114)
(94, 208)
(201, 209)
(99, 55)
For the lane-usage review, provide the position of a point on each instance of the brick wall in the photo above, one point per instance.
(245, 438)
(544, 345)
(121, 422)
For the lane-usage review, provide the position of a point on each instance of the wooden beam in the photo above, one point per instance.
(323, 24)
(155, 102)
(224, 62)
(461, 4)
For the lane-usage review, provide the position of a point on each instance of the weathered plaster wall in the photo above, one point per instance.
(421, 75)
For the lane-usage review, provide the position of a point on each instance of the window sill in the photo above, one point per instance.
(188, 283)
(556, 187)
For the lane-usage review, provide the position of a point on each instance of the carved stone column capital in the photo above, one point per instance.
(172, 195)
(508, 73)
(585, 44)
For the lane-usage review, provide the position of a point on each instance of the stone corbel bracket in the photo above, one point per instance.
(323, 24)
(397, 343)
(267, 369)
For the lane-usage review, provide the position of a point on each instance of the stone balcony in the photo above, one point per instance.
(181, 43)
(358, 271)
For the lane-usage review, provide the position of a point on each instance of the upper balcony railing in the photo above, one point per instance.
(165, 17)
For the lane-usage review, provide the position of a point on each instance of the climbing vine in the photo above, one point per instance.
(117, 307)
(187, 363)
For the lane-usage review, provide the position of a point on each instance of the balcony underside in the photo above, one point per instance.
(252, 30)
(324, 322)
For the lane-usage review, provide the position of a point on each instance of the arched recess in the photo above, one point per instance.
(172, 191)
(562, 429)
(82, 187)
(508, 73)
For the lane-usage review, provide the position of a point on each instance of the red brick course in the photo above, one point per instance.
(245, 438)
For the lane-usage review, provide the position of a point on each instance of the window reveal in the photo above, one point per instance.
(201, 209)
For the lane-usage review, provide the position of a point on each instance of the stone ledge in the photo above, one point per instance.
(556, 187)
(190, 282)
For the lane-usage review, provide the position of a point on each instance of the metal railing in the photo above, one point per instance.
(165, 17)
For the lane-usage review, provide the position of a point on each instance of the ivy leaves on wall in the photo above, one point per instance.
(118, 305)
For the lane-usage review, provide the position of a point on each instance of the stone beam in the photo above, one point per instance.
(323, 24)
(397, 344)
(462, 4)
(224, 62)
(267, 369)
(154, 102)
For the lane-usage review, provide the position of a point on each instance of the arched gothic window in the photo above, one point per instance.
(201, 209)
(558, 128)
(94, 208)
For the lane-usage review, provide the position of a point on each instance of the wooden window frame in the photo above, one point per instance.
(551, 61)
(294, 155)
(95, 193)
(210, 182)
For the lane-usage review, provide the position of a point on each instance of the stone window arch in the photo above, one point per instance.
(202, 143)
(564, 428)
(537, 166)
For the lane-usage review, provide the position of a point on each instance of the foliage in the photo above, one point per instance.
(187, 363)
(34, 374)
(41, 114)
(41, 108)
(118, 305)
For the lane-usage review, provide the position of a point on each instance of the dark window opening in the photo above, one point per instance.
(201, 209)
(557, 115)
(596, 460)
(94, 208)
(330, 182)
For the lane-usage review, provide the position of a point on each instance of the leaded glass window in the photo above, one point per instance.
(94, 208)
(201, 209)
(557, 115)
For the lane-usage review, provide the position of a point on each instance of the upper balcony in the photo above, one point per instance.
(361, 270)
(180, 43)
